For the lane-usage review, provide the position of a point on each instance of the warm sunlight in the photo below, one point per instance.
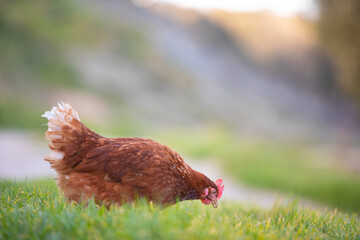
(278, 7)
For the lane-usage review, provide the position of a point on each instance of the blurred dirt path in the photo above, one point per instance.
(22, 156)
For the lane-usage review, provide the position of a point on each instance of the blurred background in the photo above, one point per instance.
(269, 91)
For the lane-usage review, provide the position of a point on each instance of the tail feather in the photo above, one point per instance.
(66, 135)
(61, 115)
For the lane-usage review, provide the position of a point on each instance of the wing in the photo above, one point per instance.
(120, 157)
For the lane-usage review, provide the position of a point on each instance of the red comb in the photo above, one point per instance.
(220, 186)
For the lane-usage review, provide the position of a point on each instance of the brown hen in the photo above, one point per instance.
(119, 170)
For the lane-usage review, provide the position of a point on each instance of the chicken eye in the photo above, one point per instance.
(214, 192)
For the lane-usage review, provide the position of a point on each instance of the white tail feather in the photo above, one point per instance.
(59, 117)
(62, 114)
(54, 156)
(48, 115)
(53, 127)
(53, 136)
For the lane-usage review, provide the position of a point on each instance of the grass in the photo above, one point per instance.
(283, 166)
(35, 210)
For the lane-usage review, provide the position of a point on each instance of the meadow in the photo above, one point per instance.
(35, 210)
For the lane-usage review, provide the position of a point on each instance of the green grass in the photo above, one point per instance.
(35, 210)
(283, 166)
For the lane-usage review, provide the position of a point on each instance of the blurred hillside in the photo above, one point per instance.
(286, 48)
(257, 74)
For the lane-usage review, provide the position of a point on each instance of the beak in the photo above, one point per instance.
(214, 203)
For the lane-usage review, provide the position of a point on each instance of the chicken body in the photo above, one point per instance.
(119, 170)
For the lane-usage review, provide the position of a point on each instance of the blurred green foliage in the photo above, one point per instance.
(16, 112)
(288, 169)
(34, 35)
(339, 30)
(35, 210)
(38, 40)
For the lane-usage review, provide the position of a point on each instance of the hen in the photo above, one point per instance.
(119, 170)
